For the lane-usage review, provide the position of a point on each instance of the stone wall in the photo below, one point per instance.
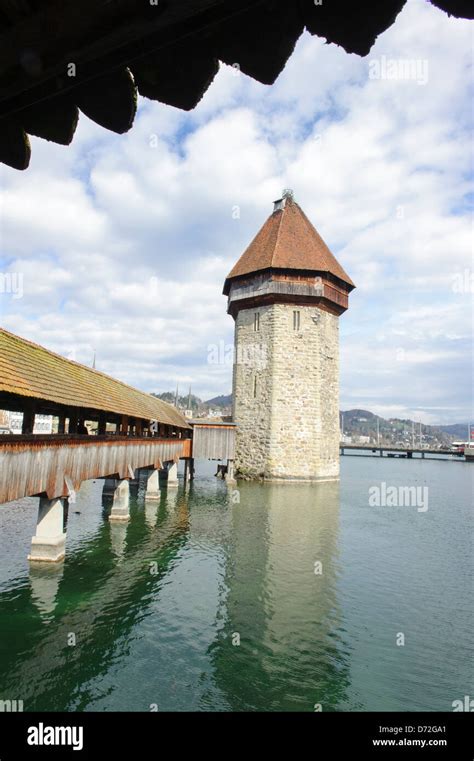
(286, 393)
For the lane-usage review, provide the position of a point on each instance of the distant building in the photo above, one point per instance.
(4, 422)
(12, 421)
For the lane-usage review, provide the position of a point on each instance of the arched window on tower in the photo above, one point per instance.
(255, 386)
(296, 320)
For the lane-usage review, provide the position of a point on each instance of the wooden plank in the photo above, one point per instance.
(91, 30)
(216, 443)
(42, 465)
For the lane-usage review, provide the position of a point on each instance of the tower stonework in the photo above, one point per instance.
(286, 293)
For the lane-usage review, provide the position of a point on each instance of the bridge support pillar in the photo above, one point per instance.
(153, 486)
(229, 476)
(173, 475)
(121, 504)
(110, 484)
(49, 543)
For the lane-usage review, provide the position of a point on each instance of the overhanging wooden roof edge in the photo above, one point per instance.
(169, 414)
(285, 270)
(108, 40)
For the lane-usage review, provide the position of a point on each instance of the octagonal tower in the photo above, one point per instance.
(286, 294)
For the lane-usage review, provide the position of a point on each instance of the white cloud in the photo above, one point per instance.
(124, 241)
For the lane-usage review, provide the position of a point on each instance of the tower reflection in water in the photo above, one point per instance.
(280, 646)
(240, 612)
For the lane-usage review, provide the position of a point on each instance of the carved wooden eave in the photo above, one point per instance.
(167, 51)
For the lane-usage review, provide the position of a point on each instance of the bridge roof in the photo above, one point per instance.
(288, 241)
(30, 370)
(166, 51)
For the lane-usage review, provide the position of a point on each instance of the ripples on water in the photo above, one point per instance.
(200, 603)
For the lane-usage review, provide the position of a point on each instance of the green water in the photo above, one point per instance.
(206, 603)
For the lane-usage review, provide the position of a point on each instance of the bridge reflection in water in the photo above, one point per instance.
(146, 613)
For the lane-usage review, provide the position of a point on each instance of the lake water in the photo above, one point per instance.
(270, 597)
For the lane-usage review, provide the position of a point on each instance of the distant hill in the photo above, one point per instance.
(398, 430)
(459, 431)
(183, 401)
(220, 401)
(357, 422)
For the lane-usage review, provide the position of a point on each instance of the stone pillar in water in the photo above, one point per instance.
(153, 486)
(121, 504)
(173, 475)
(49, 542)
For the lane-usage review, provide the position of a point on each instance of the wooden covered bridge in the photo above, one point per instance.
(128, 431)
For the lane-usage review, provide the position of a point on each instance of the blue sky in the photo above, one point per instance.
(123, 242)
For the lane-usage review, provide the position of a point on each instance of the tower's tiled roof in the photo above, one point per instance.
(30, 370)
(288, 241)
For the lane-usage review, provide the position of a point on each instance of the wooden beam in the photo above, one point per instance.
(54, 119)
(355, 26)
(260, 40)
(28, 417)
(102, 429)
(111, 100)
(73, 420)
(15, 149)
(94, 36)
(178, 75)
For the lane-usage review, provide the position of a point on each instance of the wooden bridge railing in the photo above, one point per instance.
(56, 465)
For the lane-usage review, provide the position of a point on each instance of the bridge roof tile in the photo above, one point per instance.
(30, 370)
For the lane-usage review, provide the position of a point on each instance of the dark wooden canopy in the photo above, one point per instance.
(59, 57)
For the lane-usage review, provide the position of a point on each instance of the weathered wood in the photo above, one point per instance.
(355, 26)
(49, 465)
(269, 289)
(213, 442)
(28, 423)
(178, 75)
(55, 119)
(102, 36)
(259, 40)
(111, 100)
(15, 149)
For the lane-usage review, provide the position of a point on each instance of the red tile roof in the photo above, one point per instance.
(288, 241)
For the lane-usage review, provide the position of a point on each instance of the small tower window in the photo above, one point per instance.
(256, 321)
(254, 386)
(296, 320)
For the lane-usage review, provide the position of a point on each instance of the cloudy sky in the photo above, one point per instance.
(122, 243)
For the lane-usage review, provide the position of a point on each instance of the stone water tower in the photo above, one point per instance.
(286, 294)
